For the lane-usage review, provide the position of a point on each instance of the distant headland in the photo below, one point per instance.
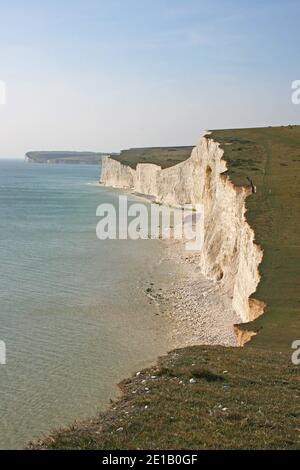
(62, 157)
(165, 156)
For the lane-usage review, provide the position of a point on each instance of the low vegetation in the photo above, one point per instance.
(162, 156)
(199, 398)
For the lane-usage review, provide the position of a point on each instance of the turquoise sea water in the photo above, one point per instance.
(73, 310)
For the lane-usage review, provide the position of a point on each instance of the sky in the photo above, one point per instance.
(105, 75)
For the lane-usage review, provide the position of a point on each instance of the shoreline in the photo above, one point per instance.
(201, 312)
(193, 300)
(199, 309)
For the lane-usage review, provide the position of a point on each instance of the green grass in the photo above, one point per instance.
(270, 157)
(241, 399)
(163, 156)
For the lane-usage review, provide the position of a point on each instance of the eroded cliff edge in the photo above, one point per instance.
(229, 255)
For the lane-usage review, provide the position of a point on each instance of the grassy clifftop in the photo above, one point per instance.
(238, 399)
(270, 158)
(162, 156)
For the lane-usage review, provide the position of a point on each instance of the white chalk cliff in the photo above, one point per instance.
(229, 254)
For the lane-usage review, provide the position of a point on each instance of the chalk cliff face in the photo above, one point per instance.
(116, 175)
(229, 255)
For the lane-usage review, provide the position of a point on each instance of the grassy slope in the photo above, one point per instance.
(242, 399)
(163, 156)
(255, 404)
(271, 158)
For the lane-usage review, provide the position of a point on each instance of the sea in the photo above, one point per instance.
(74, 315)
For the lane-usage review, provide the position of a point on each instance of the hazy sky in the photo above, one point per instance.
(112, 74)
